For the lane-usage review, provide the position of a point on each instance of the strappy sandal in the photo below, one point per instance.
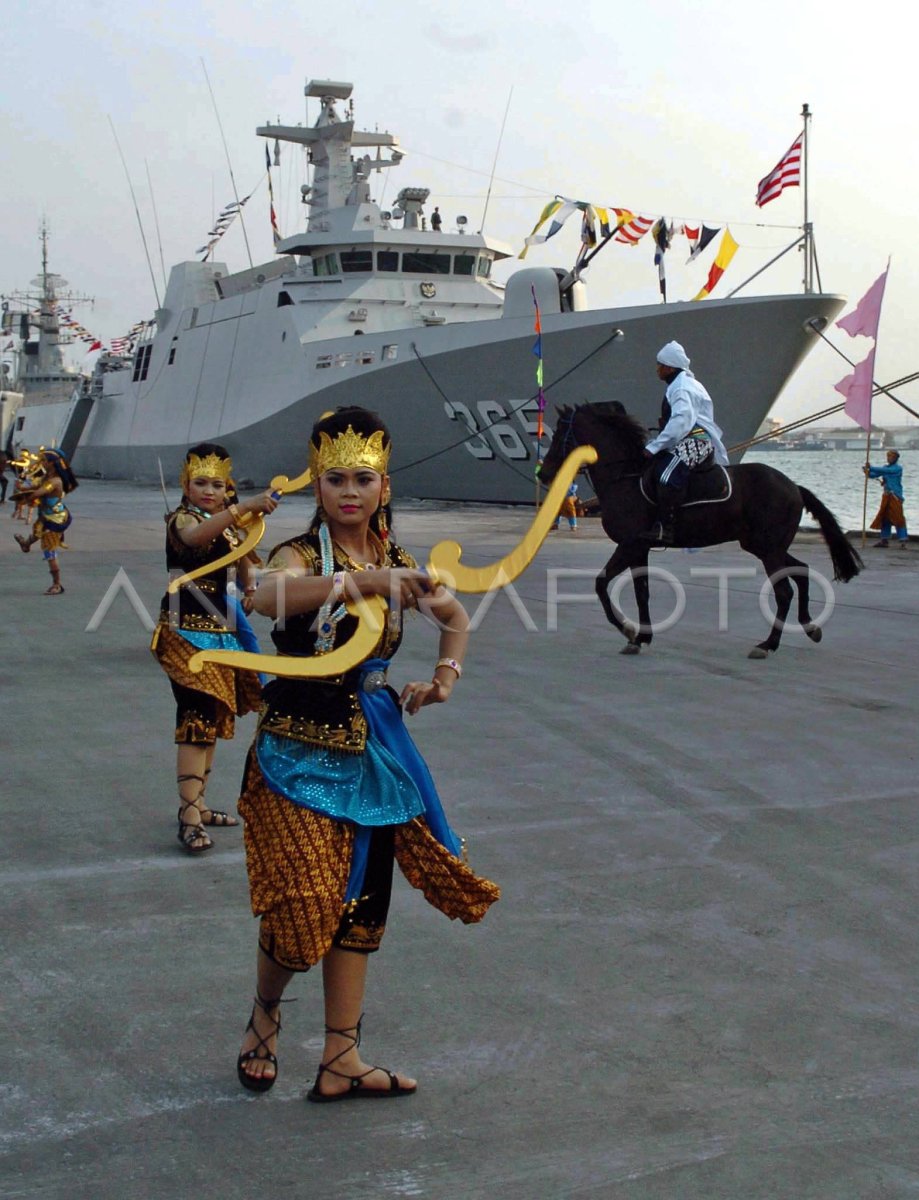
(190, 833)
(25, 544)
(260, 1083)
(214, 816)
(56, 589)
(356, 1090)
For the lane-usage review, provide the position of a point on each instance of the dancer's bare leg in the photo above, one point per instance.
(56, 588)
(191, 761)
(210, 817)
(271, 980)
(344, 978)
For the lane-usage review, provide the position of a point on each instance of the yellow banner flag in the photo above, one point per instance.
(726, 252)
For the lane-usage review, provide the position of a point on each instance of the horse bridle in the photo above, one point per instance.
(565, 424)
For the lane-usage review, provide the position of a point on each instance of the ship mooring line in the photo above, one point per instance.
(498, 420)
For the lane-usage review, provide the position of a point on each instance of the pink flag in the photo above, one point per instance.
(857, 389)
(863, 320)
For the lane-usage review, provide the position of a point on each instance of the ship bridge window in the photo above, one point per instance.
(388, 260)
(326, 264)
(142, 362)
(419, 262)
(483, 266)
(356, 260)
(463, 264)
(284, 298)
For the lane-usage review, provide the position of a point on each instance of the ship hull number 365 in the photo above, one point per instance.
(507, 429)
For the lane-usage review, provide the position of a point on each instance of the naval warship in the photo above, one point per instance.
(385, 309)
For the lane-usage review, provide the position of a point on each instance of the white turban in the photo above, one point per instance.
(673, 355)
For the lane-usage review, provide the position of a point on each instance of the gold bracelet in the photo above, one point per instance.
(233, 510)
(452, 664)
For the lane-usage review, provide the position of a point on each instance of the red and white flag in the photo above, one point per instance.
(634, 230)
(786, 173)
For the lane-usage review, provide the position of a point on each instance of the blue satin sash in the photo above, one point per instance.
(243, 639)
(389, 784)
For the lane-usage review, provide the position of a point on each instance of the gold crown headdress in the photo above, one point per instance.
(211, 466)
(27, 461)
(349, 451)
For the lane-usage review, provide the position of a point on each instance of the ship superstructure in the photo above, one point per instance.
(385, 309)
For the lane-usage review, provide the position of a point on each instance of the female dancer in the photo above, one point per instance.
(201, 616)
(52, 479)
(334, 788)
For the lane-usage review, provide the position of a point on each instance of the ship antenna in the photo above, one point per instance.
(140, 224)
(242, 219)
(495, 163)
(156, 221)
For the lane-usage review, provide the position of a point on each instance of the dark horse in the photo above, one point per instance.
(762, 513)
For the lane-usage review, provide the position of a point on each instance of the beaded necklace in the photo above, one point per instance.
(328, 617)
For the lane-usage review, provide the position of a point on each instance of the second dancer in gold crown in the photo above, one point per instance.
(202, 615)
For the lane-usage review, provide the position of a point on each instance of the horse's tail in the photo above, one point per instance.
(847, 561)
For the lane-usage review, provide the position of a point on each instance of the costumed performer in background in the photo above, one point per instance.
(51, 479)
(23, 465)
(201, 615)
(334, 789)
(569, 508)
(890, 514)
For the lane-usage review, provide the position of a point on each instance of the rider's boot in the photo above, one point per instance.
(661, 532)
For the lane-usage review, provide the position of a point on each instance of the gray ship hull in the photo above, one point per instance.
(459, 398)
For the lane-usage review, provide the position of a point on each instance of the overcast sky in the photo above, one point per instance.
(666, 108)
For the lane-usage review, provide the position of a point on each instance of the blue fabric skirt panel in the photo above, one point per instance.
(203, 640)
(369, 789)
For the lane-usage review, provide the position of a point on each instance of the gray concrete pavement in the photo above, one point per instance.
(700, 980)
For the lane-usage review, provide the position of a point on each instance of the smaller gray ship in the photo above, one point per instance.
(398, 312)
(32, 349)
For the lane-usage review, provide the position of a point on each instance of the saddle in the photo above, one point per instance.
(710, 485)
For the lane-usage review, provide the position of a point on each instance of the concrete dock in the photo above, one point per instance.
(700, 982)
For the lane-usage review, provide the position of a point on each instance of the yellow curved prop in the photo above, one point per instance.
(370, 612)
(444, 564)
(280, 485)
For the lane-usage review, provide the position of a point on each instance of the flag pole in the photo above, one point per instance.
(808, 232)
(865, 495)
(540, 397)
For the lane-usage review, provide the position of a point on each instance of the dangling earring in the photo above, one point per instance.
(382, 523)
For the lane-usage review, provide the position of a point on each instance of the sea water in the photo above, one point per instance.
(835, 477)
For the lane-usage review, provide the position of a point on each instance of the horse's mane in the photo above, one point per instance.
(626, 429)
